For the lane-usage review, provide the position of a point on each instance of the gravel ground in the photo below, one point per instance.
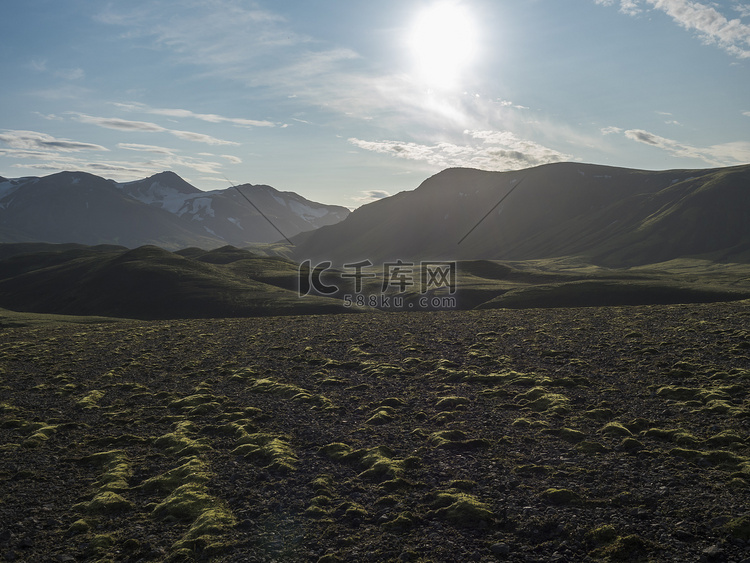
(540, 435)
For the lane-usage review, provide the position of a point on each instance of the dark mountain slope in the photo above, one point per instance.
(611, 215)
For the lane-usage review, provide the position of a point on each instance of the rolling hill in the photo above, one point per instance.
(151, 283)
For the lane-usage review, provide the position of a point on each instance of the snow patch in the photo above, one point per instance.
(281, 200)
(201, 204)
(307, 212)
(213, 233)
(235, 222)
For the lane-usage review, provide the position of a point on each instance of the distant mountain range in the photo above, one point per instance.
(163, 210)
(605, 215)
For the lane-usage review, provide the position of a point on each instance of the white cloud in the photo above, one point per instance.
(731, 35)
(48, 117)
(33, 140)
(231, 158)
(629, 7)
(496, 150)
(610, 130)
(148, 127)
(747, 113)
(725, 154)
(712, 26)
(200, 138)
(145, 148)
(119, 124)
(184, 113)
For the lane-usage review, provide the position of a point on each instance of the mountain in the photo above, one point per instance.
(149, 282)
(163, 210)
(608, 216)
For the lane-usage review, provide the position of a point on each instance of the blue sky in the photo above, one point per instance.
(347, 101)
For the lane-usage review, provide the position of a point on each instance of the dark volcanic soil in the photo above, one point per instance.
(540, 435)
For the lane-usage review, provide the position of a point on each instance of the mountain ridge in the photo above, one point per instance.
(607, 215)
(163, 210)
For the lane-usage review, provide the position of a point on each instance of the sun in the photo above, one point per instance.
(443, 43)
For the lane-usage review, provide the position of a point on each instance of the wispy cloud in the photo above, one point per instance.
(43, 152)
(48, 117)
(145, 148)
(148, 127)
(200, 138)
(30, 140)
(724, 154)
(712, 26)
(184, 113)
(629, 7)
(119, 124)
(487, 150)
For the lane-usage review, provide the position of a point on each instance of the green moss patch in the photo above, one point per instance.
(403, 522)
(461, 509)
(91, 400)
(205, 531)
(193, 471)
(380, 464)
(602, 535)
(590, 447)
(739, 528)
(290, 391)
(270, 451)
(383, 415)
(628, 548)
(105, 502)
(186, 502)
(450, 403)
(40, 433)
(457, 440)
(615, 429)
(539, 399)
(337, 451)
(562, 497)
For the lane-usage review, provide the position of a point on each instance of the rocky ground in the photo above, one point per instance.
(539, 435)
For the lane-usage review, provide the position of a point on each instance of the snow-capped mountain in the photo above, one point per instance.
(163, 209)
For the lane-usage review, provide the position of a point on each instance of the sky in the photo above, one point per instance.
(348, 101)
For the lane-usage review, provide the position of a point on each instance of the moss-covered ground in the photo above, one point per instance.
(590, 434)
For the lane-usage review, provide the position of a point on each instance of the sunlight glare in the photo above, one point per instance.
(443, 43)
